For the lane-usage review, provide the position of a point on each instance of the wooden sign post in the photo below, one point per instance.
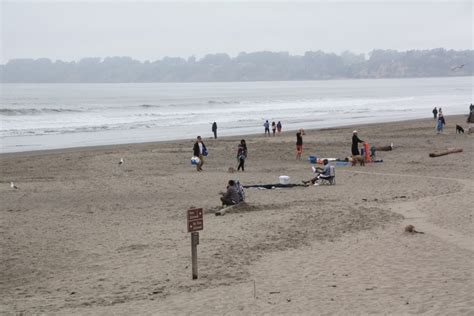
(195, 223)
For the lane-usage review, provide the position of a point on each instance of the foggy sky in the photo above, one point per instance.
(71, 30)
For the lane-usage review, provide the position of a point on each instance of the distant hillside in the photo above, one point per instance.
(258, 66)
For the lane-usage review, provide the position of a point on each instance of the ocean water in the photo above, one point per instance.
(48, 116)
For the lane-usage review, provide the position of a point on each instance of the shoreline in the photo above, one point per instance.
(210, 138)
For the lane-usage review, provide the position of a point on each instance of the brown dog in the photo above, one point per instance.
(411, 229)
(231, 170)
(359, 159)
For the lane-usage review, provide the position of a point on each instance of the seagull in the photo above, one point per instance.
(13, 186)
(457, 67)
(121, 162)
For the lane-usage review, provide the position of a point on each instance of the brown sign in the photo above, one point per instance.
(195, 220)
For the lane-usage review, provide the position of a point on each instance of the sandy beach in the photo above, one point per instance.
(83, 235)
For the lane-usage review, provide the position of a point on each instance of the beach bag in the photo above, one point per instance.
(195, 160)
(205, 152)
(240, 191)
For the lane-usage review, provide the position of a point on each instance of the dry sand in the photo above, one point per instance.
(82, 235)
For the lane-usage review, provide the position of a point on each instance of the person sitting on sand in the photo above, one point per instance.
(231, 196)
(321, 173)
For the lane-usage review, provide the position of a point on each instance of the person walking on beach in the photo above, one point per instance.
(279, 127)
(355, 144)
(267, 128)
(214, 129)
(299, 143)
(435, 112)
(241, 155)
(274, 127)
(199, 150)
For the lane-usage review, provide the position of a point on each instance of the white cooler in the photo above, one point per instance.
(284, 180)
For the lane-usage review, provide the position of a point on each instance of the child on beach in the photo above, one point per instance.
(241, 154)
(279, 127)
(299, 143)
(440, 122)
(273, 128)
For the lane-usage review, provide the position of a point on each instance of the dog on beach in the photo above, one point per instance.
(459, 129)
(358, 158)
(231, 170)
(411, 229)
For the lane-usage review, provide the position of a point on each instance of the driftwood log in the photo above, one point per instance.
(384, 148)
(226, 209)
(445, 152)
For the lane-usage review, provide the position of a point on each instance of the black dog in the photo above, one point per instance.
(459, 129)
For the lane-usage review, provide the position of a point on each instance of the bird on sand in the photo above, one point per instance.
(13, 186)
(121, 162)
(457, 67)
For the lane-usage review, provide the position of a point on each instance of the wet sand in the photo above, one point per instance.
(82, 235)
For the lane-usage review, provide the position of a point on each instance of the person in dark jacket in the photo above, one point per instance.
(435, 113)
(241, 155)
(355, 144)
(214, 129)
(199, 150)
(231, 196)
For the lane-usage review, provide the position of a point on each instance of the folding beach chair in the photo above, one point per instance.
(331, 180)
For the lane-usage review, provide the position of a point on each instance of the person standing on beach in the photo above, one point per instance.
(241, 154)
(440, 123)
(355, 144)
(214, 129)
(435, 112)
(274, 128)
(299, 143)
(279, 127)
(267, 128)
(199, 150)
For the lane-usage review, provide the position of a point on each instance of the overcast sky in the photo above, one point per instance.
(150, 30)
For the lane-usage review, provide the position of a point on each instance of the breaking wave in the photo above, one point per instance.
(31, 111)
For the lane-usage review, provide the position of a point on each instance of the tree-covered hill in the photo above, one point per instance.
(257, 66)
